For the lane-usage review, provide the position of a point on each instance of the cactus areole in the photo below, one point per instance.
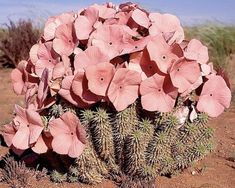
(121, 91)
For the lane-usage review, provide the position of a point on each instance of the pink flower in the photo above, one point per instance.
(56, 21)
(43, 88)
(110, 39)
(166, 23)
(30, 94)
(8, 134)
(65, 18)
(134, 64)
(207, 69)
(122, 18)
(62, 68)
(36, 96)
(80, 88)
(67, 93)
(135, 45)
(99, 77)
(215, 96)
(149, 67)
(55, 86)
(91, 56)
(141, 18)
(105, 12)
(65, 40)
(30, 127)
(124, 88)
(163, 54)
(196, 51)
(184, 73)
(84, 24)
(69, 137)
(127, 7)
(83, 27)
(34, 105)
(140, 62)
(9, 131)
(22, 78)
(194, 86)
(158, 93)
(221, 72)
(33, 53)
(18, 78)
(43, 144)
(47, 58)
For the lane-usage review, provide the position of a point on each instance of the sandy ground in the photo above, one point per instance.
(215, 171)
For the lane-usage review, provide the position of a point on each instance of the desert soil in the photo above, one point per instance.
(217, 170)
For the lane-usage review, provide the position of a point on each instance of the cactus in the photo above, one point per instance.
(58, 177)
(124, 123)
(136, 144)
(88, 168)
(101, 133)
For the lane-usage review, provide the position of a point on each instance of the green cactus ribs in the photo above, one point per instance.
(135, 145)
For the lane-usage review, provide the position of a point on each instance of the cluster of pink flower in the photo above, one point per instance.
(110, 54)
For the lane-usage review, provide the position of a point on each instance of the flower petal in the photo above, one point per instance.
(8, 133)
(140, 18)
(76, 148)
(99, 77)
(124, 88)
(160, 52)
(35, 125)
(215, 96)
(61, 143)
(158, 93)
(40, 146)
(80, 88)
(91, 56)
(83, 27)
(197, 51)
(184, 73)
(21, 138)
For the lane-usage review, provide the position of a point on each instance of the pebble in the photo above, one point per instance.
(193, 172)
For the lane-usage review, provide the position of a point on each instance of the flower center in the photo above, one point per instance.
(163, 57)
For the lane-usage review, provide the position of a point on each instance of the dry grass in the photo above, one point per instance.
(15, 42)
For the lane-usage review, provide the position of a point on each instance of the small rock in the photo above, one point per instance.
(193, 172)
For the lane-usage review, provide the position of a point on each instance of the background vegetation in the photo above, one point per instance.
(16, 39)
